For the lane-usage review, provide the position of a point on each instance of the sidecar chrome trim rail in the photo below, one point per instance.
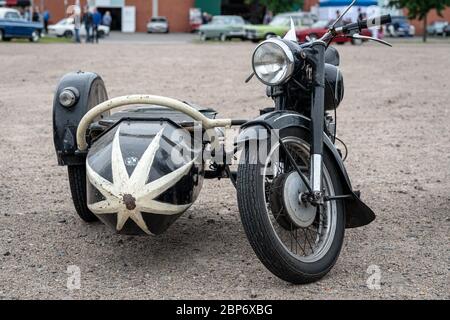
(144, 99)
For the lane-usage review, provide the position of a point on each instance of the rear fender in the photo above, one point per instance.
(358, 214)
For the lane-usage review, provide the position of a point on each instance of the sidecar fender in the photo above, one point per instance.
(358, 214)
(91, 91)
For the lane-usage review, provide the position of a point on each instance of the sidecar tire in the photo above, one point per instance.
(262, 236)
(77, 181)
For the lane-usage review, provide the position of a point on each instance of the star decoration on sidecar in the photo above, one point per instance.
(129, 196)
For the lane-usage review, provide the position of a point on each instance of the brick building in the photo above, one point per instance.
(138, 12)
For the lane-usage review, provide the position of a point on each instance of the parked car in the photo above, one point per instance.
(437, 28)
(447, 30)
(319, 28)
(66, 28)
(158, 24)
(400, 27)
(12, 25)
(223, 28)
(280, 25)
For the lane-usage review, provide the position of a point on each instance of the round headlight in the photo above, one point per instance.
(68, 97)
(273, 62)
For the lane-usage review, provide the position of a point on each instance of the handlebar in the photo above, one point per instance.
(364, 24)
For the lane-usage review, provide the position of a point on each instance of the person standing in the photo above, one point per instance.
(107, 19)
(46, 17)
(88, 23)
(205, 18)
(97, 20)
(77, 23)
(268, 17)
(360, 14)
(36, 15)
(26, 14)
(374, 11)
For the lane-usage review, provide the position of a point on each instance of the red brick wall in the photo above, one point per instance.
(143, 12)
(177, 11)
(309, 3)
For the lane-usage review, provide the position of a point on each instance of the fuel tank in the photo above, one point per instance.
(143, 175)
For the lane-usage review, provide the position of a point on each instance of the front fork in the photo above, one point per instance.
(317, 122)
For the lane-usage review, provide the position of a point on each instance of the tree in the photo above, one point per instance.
(419, 9)
(277, 6)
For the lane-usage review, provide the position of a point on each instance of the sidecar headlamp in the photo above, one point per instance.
(68, 97)
(273, 62)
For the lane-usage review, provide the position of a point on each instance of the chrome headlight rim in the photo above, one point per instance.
(290, 61)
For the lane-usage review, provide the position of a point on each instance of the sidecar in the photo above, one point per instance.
(144, 165)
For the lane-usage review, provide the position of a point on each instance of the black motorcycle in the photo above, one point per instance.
(140, 169)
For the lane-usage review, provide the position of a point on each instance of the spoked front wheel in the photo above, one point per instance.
(296, 241)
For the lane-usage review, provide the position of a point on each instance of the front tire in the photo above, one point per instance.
(269, 36)
(223, 37)
(357, 42)
(269, 231)
(312, 37)
(35, 36)
(68, 34)
(77, 181)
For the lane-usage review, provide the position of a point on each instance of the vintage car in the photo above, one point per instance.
(280, 25)
(223, 28)
(437, 28)
(12, 25)
(400, 27)
(66, 28)
(158, 25)
(321, 27)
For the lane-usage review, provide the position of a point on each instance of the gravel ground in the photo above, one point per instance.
(394, 119)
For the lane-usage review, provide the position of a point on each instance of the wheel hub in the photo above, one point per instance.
(302, 214)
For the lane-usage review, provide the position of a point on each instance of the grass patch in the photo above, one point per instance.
(44, 40)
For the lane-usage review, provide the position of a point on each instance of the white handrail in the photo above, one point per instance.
(144, 99)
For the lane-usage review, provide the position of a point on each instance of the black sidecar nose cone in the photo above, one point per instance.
(143, 175)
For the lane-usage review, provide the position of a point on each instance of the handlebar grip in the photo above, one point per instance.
(376, 21)
(365, 24)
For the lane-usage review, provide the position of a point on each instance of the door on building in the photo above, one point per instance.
(116, 15)
(128, 19)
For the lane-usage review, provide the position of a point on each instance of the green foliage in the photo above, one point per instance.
(418, 9)
(278, 6)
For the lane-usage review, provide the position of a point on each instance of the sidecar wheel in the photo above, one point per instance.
(77, 180)
(297, 252)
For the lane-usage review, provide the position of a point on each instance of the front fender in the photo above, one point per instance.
(358, 214)
(65, 120)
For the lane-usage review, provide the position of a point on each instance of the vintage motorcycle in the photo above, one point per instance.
(137, 170)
